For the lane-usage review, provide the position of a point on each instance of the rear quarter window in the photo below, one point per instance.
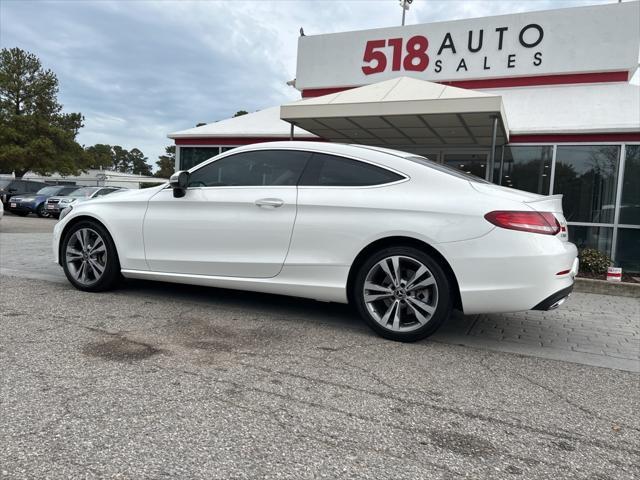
(334, 171)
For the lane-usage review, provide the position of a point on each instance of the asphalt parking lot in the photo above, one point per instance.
(171, 381)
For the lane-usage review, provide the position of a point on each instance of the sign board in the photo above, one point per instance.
(603, 38)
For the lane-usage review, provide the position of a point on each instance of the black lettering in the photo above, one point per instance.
(537, 59)
(462, 64)
(511, 60)
(438, 68)
(486, 67)
(501, 31)
(476, 49)
(447, 42)
(524, 30)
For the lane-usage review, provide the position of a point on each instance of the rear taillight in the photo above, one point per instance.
(534, 222)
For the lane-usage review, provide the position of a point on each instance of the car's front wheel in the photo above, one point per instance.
(41, 211)
(402, 293)
(89, 257)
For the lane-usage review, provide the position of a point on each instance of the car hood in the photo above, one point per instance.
(60, 198)
(128, 195)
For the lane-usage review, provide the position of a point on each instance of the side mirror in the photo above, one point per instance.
(179, 181)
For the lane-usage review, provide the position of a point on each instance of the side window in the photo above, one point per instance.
(333, 171)
(103, 191)
(259, 168)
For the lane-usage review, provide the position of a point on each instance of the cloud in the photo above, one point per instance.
(138, 70)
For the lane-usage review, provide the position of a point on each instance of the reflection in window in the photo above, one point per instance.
(628, 248)
(259, 168)
(586, 176)
(192, 156)
(630, 203)
(591, 237)
(472, 163)
(527, 168)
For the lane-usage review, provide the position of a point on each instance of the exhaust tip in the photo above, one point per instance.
(558, 303)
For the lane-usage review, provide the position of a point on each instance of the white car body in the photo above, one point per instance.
(219, 237)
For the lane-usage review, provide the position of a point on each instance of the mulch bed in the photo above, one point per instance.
(626, 277)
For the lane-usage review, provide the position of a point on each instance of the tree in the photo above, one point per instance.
(34, 133)
(139, 165)
(239, 113)
(121, 161)
(167, 163)
(100, 155)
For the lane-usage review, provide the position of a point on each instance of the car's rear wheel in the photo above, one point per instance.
(402, 293)
(41, 211)
(89, 257)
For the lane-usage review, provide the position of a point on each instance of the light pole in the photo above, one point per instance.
(405, 6)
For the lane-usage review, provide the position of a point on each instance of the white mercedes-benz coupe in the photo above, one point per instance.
(403, 239)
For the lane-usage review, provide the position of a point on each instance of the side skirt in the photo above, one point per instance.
(326, 284)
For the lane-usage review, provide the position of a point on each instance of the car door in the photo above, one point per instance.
(341, 202)
(235, 218)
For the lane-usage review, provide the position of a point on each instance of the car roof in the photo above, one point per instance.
(328, 147)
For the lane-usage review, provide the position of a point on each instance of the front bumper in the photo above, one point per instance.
(57, 208)
(21, 207)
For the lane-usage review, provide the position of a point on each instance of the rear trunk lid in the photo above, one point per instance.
(539, 203)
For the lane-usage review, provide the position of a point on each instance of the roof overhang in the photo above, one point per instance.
(403, 111)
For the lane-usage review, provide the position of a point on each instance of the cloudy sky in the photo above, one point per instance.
(139, 69)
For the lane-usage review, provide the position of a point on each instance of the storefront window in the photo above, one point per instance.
(192, 156)
(527, 168)
(473, 163)
(628, 249)
(630, 203)
(591, 237)
(586, 176)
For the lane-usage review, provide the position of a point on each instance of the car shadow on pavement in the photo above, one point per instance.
(286, 308)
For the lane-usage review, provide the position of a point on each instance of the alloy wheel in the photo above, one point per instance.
(400, 293)
(86, 256)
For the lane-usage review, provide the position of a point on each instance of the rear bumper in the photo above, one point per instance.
(555, 300)
(510, 271)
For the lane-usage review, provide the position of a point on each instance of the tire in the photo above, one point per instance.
(41, 211)
(87, 265)
(424, 302)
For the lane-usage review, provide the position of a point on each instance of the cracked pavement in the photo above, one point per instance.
(172, 381)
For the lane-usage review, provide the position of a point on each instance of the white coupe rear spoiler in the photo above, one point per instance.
(550, 203)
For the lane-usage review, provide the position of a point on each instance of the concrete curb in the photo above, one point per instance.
(602, 287)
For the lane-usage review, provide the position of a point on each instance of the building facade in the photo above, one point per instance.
(540, 101)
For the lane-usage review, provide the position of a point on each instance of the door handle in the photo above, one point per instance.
(269, 202)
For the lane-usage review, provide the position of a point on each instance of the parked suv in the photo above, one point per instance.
(23, 205)
(10, 188)
(55, 205)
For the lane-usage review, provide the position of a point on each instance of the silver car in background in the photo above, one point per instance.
(55, 205)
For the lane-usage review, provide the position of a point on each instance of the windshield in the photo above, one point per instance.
(48, 191)
(83, 192)
(4, 183)
(446, 169)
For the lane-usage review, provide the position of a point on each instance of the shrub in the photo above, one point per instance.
(594, 261)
